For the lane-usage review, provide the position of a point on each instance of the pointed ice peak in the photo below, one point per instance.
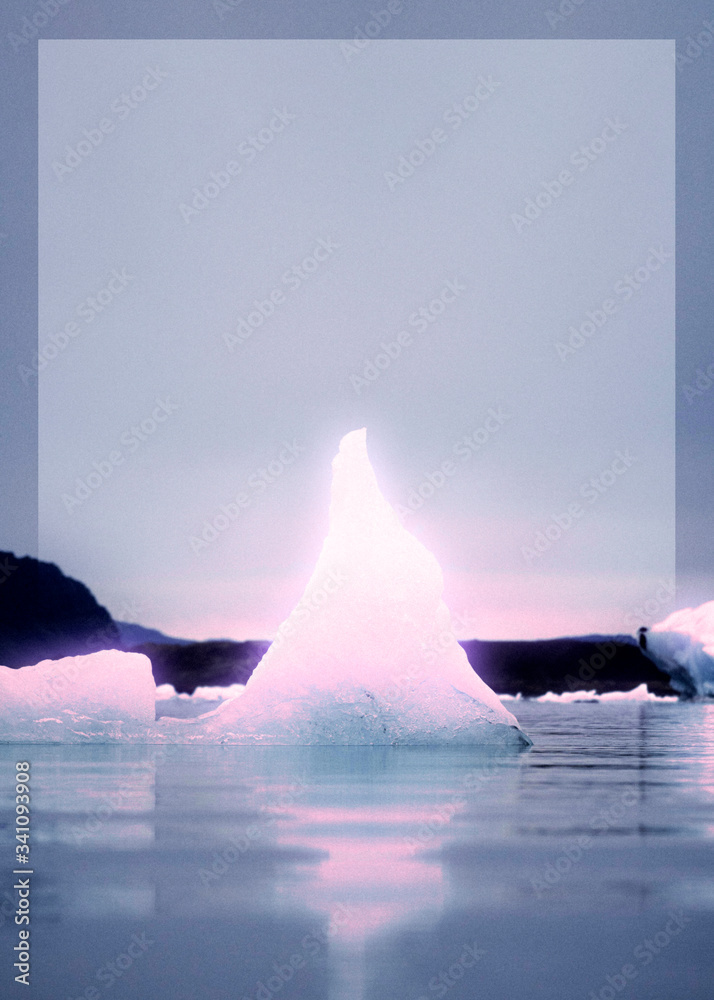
(368, 654)
(355, 442)
(355, 495)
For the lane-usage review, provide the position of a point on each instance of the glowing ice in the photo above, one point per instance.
(683, 646)
(368, 655)
(95, 694)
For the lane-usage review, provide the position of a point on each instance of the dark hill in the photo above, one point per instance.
(215, 663)
(45, 615)
(559, 665)
(133, 635)
(532, 668)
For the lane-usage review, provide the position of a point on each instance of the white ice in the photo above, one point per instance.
(368, 655)
(683, 646)
(190, 706)
(639, 693)
(105, 693)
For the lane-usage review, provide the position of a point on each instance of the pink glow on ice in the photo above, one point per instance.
(697, 623)
(368, 655)
(109, 685)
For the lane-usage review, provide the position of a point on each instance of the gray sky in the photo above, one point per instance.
(329, 128)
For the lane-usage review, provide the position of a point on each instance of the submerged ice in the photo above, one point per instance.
(683, 646)
(368, 656)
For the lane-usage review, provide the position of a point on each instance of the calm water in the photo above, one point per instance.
(581, 867)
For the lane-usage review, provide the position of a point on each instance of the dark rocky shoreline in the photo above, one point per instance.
(601, 664)
(47, 615)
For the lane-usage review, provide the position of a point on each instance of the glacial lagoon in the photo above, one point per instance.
(580, 867)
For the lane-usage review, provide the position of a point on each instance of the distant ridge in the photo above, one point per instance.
(601, 663)
(628, 640)
(213, 663)
(132, 634)
(45, 615)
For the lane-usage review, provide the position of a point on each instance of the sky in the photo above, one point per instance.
(691, 34)
(249, 248)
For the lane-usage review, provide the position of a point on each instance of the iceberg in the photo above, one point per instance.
(188, 706)
(368, 655)
(105, 694)
(639, 693)
(683, 646)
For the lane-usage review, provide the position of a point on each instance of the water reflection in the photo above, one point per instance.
(381, 820)
(374, 870)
